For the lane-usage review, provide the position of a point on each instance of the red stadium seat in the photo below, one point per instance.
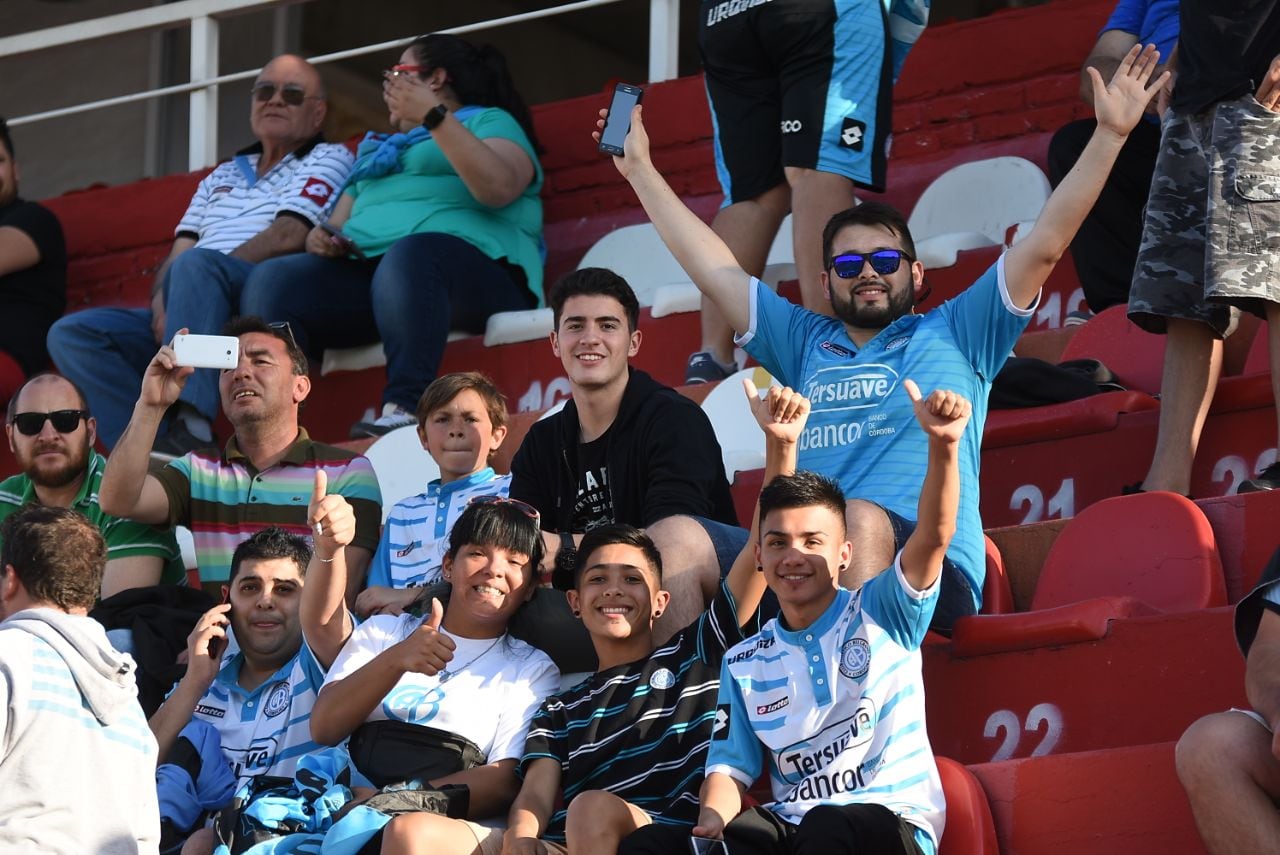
(970, 829)
(1135, 356)
(1121, 557)
(997, 598)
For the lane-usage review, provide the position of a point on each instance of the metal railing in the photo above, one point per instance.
(203, 17)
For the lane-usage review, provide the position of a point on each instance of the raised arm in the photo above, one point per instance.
(326, 623)
(702, 254)
(126, 489)
(204, 656)
(495, 170)
(942, 416)
(532, 809)
(1119, 106)
(781, 414)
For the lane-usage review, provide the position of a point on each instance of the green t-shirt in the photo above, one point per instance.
(428, 196)
(125, 538)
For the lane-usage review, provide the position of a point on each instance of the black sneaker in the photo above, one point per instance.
(703, 368)
(177, 442)
(1268, 479)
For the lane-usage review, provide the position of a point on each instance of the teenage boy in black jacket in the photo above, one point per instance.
(626, 449)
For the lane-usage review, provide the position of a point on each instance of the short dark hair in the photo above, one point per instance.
(444, 389)
(802, 490)
(501, 524)
(244, 324)
(594, 281)
(13, 401)
(59, 555)
(5, 139)
(867, 214)
(269, 544)
(617, 533)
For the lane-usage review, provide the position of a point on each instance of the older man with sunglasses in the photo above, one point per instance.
(860, 431)
(258, 205)
(51, 435)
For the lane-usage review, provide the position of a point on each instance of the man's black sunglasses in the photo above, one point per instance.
(64, 421)
(883, 262)
(290, 94)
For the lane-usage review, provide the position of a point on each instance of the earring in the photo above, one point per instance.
(577, 613)
(759, 568)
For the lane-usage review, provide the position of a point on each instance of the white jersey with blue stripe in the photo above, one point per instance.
(862, 430)
(836, 708)
(266, 730)
(416, 534)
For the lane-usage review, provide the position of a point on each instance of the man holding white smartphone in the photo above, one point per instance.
(258, 205)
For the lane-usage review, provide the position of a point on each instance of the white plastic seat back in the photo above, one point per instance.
(972, 205)
(638, 255)
(740, 438)
(402, 465)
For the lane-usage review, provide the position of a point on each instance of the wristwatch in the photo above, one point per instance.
(566, 563)
(434, 117)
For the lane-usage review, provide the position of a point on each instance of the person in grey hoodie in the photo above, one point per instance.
(77, 761)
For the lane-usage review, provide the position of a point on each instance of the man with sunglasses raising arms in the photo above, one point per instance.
(860, 431)
(51, 435)
(258, 205)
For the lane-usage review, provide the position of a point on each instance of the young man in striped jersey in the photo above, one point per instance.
(262, 477)
(828, 697)
(627, 745)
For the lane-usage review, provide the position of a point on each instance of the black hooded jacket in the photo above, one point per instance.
(662, 455)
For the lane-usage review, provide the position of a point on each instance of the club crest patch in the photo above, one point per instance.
(277, 699)
(855, 658)
(662, 679)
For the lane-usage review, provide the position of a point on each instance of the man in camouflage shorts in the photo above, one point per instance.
(1211, 241)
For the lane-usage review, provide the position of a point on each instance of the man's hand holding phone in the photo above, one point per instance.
(164, 378)
(205, 646)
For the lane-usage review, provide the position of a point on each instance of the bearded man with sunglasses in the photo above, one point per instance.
(860, 431)
(258, 205)
(51, 435)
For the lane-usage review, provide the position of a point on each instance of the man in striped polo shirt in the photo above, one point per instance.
(262, 477)
(258, 205)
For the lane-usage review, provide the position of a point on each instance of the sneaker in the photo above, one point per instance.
(1268, 479)
(703, 368)
(177, 442)
(393, 416)
(1076, 318)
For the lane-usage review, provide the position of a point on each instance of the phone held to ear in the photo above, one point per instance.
(206, 351)
(618, 123)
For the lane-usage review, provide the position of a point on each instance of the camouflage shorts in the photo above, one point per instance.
(1211, 241)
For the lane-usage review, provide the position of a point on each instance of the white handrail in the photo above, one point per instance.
(202, 16)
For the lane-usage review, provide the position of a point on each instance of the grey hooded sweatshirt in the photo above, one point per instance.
(77, 760)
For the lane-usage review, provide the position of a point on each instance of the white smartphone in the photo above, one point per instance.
(207, 351)
(707, 846)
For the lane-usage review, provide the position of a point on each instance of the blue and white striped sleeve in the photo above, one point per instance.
(317, 183)
(735, 751)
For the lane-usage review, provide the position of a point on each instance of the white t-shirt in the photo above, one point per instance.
(488, 695)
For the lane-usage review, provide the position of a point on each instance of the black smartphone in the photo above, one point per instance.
(348, 245)
(618, 122)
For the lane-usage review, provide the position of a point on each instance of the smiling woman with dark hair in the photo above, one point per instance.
(436, 706)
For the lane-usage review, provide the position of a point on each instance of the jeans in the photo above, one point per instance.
(424, 286)
(106, 350)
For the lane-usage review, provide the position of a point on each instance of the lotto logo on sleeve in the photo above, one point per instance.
(720, 730)
(317, 190)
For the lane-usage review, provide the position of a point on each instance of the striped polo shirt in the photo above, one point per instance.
(233, 203)
(416, 535)
(124, 538)
(224, 500)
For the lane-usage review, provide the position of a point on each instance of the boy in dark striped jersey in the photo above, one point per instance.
(627, 745)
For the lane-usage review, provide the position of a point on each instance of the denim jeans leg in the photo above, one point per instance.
(426, 285)
(105, 351)
(202, 292)
(324, 300)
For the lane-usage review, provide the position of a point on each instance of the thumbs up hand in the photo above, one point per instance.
(942, 415)
(427, 650)
(331, 518)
